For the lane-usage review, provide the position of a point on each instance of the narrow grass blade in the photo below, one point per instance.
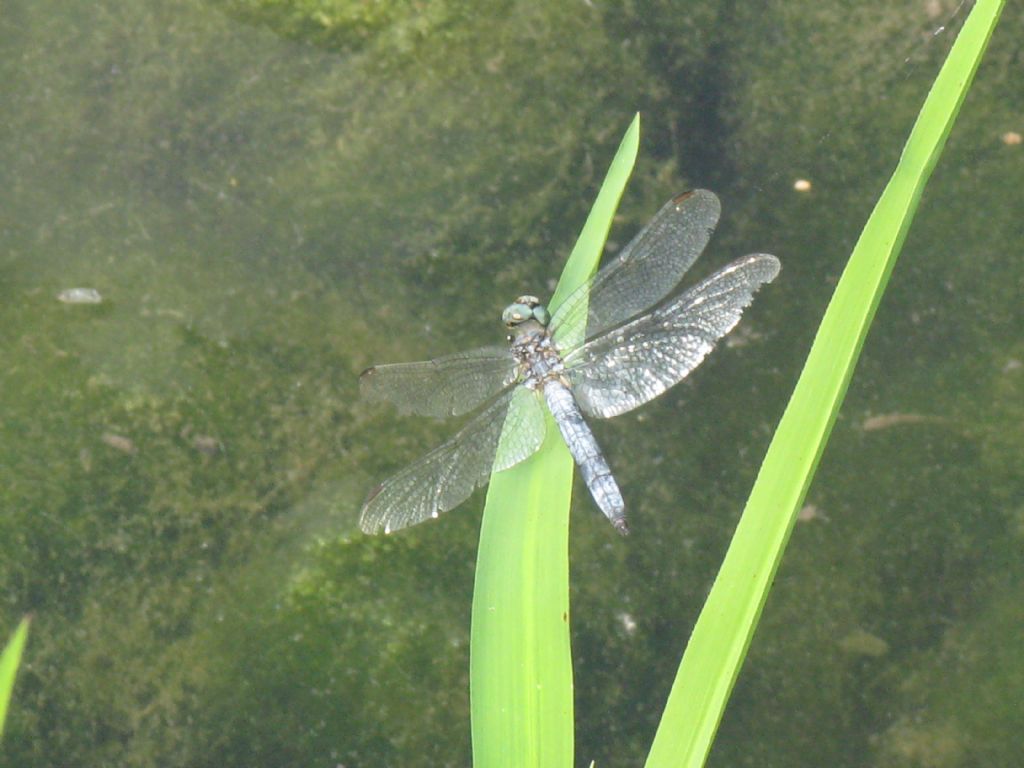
(9, 661)
(726, 625)
(520, 664)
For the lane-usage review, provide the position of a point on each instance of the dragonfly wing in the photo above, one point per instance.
(643, 273)
(448, 386)
(626, 367)
(524, 429)
(446, 476)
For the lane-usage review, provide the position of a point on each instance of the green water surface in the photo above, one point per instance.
(270, 196)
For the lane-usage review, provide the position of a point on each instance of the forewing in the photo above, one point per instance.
(626, 367)
(448, 386)
(643, 273)
(446, 476)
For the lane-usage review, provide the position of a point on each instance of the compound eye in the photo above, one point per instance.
(515, 314)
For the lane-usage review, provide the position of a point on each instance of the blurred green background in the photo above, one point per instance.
(271, 196)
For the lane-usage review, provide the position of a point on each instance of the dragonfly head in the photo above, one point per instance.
(524, 310)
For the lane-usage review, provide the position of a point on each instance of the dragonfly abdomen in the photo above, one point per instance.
(586, 452)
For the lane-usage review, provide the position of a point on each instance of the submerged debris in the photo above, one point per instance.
(207, 444)
(887, 420)
(810, 512)
(80, 296)
(119, 443)
(860, 642)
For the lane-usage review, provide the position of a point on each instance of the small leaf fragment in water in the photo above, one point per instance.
(860, 642)
(207, 444)
(80, 296)
(887, 420)
(809, 512)
(119, 443)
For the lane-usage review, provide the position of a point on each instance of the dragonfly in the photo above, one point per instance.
(618, 341)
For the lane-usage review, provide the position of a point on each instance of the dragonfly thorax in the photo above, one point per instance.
(527, 320)
(539, 361)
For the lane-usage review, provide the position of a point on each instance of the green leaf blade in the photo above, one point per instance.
(520, 664)
(726, 625)
(10, 659)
